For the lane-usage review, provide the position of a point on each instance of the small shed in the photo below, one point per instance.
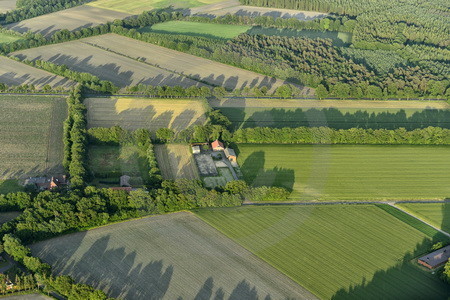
(435, 259)
(124, 181)
(230, 154)
(196, 149)
(217, 146)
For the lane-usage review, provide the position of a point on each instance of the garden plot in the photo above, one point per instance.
(120, 70)
(206, 164)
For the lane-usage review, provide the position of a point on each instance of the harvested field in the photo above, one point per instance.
(254, 11)
(436, 214)
(349, 172)
(31, 135)
(198, 68)
(72, 19)
(223, 31)
(6, 5)
(120, 70)
(17, 73)
(337, 252)
(176, 161)
(134, 113)
(137, 6)
(174, 256)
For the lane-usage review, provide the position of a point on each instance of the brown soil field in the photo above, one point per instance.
(176, 161)
(254, 11)
(195, 67)
(134, 113)
(120, 70)
(31, 135)
(71, 19)
(174, 256)
(6, 5)
(17, 73)
(289, 103)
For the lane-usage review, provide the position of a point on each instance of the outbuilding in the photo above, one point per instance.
(196, 149)
(230, 154)
(435, 259)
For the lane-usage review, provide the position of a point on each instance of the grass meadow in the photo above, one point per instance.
(10, 186)
(349, 172)
(336, 252)
(437, 214)
(6, 38)
(31, 136)
(198, 29)
(138, 6)
(173, 256)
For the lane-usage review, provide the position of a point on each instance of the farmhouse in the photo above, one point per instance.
(45, 183)
(231, 155)
(435, 259)
(196, 149)
(217, 146)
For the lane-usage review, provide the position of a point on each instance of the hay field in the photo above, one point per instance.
(134, 113)
(17, 73)
(120, 70)
(31, 135)
(71, 19)
(254, 11)
(195, 67)
(175, 256)
(138, 6)
(6, 5)
(437, 214)
(223, 31)
(336, 252)
(176, 161)
(349, 173)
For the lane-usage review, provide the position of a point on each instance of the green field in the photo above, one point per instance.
(197, 29)
(115, 161)
(10, 186)
(138, 6)
(337, 252)
(349, 172)
(8, 38)
(437, 214)
(338, 38)
(31, 141)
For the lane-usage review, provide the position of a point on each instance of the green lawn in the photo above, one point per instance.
(348, 172)
(197, 29)
(8, 38)
(337, 252)
(110, 162)
(10, 186)
(343, 118)
(437, 214)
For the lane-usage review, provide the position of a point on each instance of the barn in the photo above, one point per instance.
(435, 259)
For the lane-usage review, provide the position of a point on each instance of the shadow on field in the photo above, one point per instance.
(335, 118)
(243, 290)
(244, 12)
(256, 175)
(398, 281)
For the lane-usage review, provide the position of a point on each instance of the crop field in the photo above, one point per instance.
(71, 19)
(336, 114)
(437, 214)
(137, 6)
(31, 135)
(223, 31)
(6, 5)
(108, 161)
(349, 172)
(134, 113)
(336, 252)
(16, 73)
(254, 11)
(176, 161)
(174, 256)
(120, 70)
(194, 67)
